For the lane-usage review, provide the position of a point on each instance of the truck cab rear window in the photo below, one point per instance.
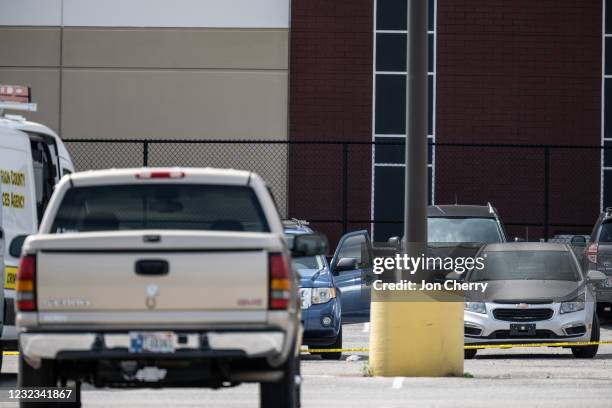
(160, 206)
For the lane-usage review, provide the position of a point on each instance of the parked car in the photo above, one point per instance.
(598, 255)
(319, 295)
(32, 159)
(162, 277)
(464, 224)
(536, 292)
(458, 231)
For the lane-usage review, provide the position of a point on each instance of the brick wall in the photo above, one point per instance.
(520, 71)
(330, 99)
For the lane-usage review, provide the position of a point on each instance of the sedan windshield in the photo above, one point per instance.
(526, 265)
(442, 230)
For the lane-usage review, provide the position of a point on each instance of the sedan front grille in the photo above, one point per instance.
(522, 315)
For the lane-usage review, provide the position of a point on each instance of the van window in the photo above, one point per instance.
(44, 163)
(160, 206)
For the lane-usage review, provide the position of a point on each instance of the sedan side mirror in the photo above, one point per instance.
(578, 241)
(595, 276)
(16, 245)
(309, 245)
(345, 264)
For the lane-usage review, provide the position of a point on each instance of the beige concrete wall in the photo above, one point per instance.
(158, 83)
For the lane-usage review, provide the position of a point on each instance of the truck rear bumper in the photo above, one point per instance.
(37, 346)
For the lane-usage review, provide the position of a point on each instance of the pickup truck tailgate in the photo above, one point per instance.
(168, 278)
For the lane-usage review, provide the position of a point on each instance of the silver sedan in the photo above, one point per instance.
(536, 293)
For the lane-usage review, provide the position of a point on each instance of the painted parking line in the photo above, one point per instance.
(397, 383)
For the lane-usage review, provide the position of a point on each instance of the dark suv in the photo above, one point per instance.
(598, 255)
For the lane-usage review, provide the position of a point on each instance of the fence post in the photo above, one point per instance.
(546, 192)
(345, 151)
(145, 153)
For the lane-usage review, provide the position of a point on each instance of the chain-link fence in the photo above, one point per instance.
(341, 186)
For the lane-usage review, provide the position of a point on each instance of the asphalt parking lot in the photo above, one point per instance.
(543, 377)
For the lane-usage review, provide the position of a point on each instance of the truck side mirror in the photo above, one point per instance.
(309, 245)
(16, 245)
(345, 264)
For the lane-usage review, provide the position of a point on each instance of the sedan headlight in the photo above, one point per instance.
(574, 305)
(476, 307)
(322, 295)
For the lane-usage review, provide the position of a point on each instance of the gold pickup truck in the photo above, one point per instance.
(160, 278)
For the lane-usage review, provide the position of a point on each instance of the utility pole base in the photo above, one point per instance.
(416, 339)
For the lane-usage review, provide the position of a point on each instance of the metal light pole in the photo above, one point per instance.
(414, 334)
(415, 194)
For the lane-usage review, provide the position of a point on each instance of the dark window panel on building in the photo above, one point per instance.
(608, 62)
(608, 16)
(608, 109)
(608, 154)
(429, 184)
(390, 117)
(391, 14)
(430, 53)
(607, 184)
(432, 14)
(430, 95)
(391, 52)
(390, 150)
(388, 201)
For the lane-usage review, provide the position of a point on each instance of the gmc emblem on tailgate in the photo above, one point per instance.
(249, 302)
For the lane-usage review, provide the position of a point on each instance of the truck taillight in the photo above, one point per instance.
(25, 284)
(591, 253)
(279, 282)
(160, 174)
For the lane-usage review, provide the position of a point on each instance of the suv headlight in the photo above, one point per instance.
(322, 295)
(476, 307)
(574, 305)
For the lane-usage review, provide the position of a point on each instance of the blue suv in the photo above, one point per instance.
(320, 298)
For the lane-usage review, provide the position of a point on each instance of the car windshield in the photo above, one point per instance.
(308, 265)
(160, 206)
(440, 229)
(526, 265)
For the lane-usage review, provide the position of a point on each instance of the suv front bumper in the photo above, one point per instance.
(80, 346)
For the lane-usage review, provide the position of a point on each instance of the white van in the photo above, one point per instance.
(32, 159)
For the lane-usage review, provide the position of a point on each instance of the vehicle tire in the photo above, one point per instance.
(469, 354)
(589, 351)
(336, 355)
(45, 376)
(284, 393)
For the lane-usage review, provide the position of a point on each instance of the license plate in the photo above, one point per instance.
(151, 342)
(520, 329)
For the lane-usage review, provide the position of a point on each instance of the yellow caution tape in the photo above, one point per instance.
(470, 347)
(473, 346)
